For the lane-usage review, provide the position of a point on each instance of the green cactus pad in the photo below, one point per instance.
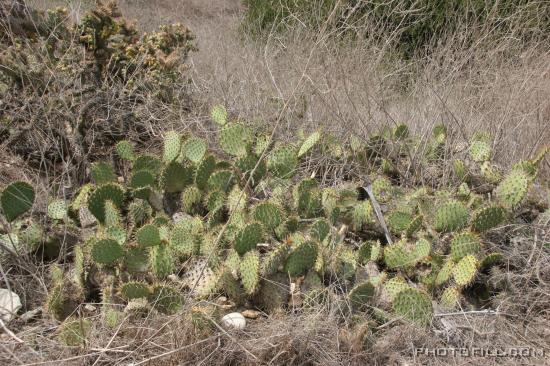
(414, 226)
(116, 233)
(147, 162)
(204, 170)
(394, 286)
(301, 259)
(231, 287)
(275, 259)
(511, 191)
(57, 210)
(320, 230)
(490, 260)
(176, 176)
(397, 255)
(125, 150)
(74, 333)
(488, 217)
(283, 162)
(139, 212)
(162, 261)
(219, 115)
(103, 173)
(399, 221)
(490, 172)
(247, 164)
(269, 214)
(422, 249)
(460, 170)
(215, 201)
(414, 305)
(248, 238)
(382, 189)
(465, 270)
(172, 146)
(112, 214)
(235, 139)
(96, 201)
(190, 197)
(273, 293)
(451, 216)
(135, 290)
(166, 299)
(445, 273)
(136, 260)
(309, 142)
(249, 270)
(480, 151)
(106, 251)
(464, 244)
(142, 179)
(450, 298)
(148, 236)
(221, 180)
(194, 149)
(16, 199)
(361, 295)
(308, 198)
(362, 215)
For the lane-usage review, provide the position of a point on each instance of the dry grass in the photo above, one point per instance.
(305, 80)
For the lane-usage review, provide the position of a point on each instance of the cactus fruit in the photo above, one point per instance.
(451, 216)
(249, 270)
(511, 191)
(301, 259)
(248, 238)
(450, 298)
(172, 146)
(465, 270)
(414, 305)
(125, 150)
(464, 244)
(487, 218)
(106, 251)
(57, 210)
(219, 115)
(235, 139)
(194, 149)
(16, 199)
(269, 214)
(361, 295)
(148, 236)
(103, 173)
(134, 290)
(283, 162)
(309, 142)
(96, 201)
(166, 299)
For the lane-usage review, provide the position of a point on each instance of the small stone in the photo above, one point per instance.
(234, 320)
(251, 314)
(90, 308)
(10, 303)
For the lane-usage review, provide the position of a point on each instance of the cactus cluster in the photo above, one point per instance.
(190, 221)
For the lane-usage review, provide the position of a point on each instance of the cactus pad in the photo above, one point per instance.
(414, 305)
(301, 259)
(106, 251)
(57, 210)
(148, 236)
(465, 270)
(219, 115)
(249, 270)
(175, 177)
(464, 244)
(96, 201)
(361, 295)
(125, 150)
(235, 139)
(450, 298)
(204, 170)
(166, 299)
(16, 199)
(172, 146)
(451, 216)
(283, 162)
(134, 290)
(248, 238)
(268, 214)
(309, 142)
(103, 173)
(394, 286)
(194, 149)
(513, 188)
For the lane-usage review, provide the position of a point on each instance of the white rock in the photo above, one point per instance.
(234, 320)
(10, 303)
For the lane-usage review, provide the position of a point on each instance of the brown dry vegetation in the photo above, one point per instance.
(306, 80)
